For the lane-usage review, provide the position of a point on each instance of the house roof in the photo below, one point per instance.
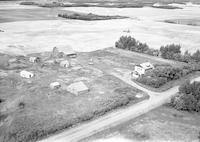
(147, 65)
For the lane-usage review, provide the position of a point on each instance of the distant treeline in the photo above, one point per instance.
(171, 51)
(89, 17)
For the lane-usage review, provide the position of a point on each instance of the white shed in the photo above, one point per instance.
(65, 63)
(55, 85)
(77, 88)
(26, 74)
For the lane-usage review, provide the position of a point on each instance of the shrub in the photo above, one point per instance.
(153, 82)
(185, 102)
(188, 98)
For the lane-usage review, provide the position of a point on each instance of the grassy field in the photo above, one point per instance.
(12, 15)
(29, 109)
(161, 124)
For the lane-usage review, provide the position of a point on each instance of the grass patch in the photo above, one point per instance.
(158, 124)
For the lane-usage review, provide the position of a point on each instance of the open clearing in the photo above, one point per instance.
(163, 124)
(145, 25)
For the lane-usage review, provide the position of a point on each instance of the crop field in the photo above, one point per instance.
(41, 29)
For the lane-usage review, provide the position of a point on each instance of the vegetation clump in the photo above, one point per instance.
(170, 51)
(167, 7)
(130, 43)
(173, 52)
(161, 75)
(28, 3)
(188, 98)
(89, 17)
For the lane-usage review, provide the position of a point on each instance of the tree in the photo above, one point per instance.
(142, 47)
(184, 102)
(188, 98)
(170, 51)
(187, 57)
(196, 56)
(126, 42)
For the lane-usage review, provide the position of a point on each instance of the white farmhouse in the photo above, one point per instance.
(142, 68)
(77, 88)
(26, 74)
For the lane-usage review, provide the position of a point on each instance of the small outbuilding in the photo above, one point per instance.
(26, 74)
(34, 59)
(77, 88)
(65, 63)
(55, 85)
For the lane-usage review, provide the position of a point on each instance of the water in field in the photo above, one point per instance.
(31, 29)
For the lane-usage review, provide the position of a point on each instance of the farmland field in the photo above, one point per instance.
(146, 24)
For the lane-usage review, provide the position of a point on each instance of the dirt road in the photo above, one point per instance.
(117, 117)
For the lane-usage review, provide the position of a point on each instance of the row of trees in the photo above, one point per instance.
(188, 98)
(162, 74)
(130, 43)
(171, 51)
